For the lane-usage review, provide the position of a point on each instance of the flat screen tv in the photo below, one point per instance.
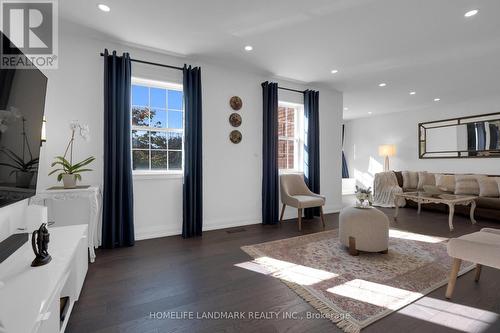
(22, 103)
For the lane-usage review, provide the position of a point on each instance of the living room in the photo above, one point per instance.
(192, 166)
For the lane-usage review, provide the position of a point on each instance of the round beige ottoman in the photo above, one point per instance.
(364, 230)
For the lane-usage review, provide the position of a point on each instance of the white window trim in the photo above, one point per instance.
(298, 137)
(156, 174)
(157, 84)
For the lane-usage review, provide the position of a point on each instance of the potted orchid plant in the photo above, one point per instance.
(68, 171)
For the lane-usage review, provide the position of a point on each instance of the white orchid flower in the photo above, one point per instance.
(73, 125)
(85, 132)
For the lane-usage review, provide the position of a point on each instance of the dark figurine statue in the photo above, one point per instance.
(40, 243)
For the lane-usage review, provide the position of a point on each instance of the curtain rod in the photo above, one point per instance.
(152, 63)
(294, 90)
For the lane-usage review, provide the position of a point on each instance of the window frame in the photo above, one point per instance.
(298, 138)
(157, 173)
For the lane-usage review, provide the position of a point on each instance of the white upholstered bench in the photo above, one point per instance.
(481, 248)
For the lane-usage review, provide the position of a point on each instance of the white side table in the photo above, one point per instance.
(93, 194)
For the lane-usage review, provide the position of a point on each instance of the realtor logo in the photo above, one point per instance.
(29, 34)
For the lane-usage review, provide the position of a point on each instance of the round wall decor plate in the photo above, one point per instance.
(236, 103)
(235, 136)
(235, 120)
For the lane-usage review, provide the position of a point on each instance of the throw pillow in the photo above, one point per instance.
(467, 184)
(399, 177)
(425, 178)
(445, 182)
(410, 180)
(488, 187)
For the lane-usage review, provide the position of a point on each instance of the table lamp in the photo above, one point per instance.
(386, 151)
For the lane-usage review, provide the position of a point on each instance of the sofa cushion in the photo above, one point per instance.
(467, 184)
(410, 179)
(425, 178)
(433, 189)
(445, 182)
(489, 203)
(488, 187)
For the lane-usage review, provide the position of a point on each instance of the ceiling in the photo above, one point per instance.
(426, 46)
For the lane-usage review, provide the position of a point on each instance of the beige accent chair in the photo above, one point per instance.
(295, 193)
(482, 248)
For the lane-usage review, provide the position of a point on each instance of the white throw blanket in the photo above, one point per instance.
(385, 186)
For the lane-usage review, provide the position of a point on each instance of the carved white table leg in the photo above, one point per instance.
(450, 216)
(94, 218)
(472, 210)
(419, 203)
(98, 232)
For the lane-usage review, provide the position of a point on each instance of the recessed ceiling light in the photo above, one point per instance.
(346, 109)
(248, 48)
(103, 7)
(413, 92)
(369, 112)
(334, 71)
(471, 13)
(382, 84)
(437, 99)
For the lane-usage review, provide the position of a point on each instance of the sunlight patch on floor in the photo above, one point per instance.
(416, 237)
(287, 271)
(375, 293)
(455, 316)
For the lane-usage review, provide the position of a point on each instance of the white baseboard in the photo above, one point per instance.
(156, 232)
(229, 223)
(164, 231)
(331, 209)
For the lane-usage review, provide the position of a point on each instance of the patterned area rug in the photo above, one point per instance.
(353, 292)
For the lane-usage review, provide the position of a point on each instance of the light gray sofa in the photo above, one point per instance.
(485, 187)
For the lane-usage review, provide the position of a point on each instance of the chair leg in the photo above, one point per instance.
(300, 219)
(453, 277)
(478, 272)
(321, 215)
(282, 212)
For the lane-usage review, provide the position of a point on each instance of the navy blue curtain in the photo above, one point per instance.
(311, 146)
(118, 214)
(270, 177)
(345, 170)
(192, 219)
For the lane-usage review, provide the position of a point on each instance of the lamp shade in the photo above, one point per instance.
(387, 150)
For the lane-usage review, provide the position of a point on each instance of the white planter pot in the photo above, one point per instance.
(69, 181)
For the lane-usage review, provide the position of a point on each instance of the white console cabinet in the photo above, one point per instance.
(30, 296)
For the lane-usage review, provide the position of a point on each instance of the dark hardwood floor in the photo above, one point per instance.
(171, 274)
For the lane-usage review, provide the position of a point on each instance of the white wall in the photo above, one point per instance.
(363, 136)
(232, 173)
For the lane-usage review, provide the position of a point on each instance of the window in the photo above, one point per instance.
(157, 126)
(290, 136)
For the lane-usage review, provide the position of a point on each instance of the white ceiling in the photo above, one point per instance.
(427, 45)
